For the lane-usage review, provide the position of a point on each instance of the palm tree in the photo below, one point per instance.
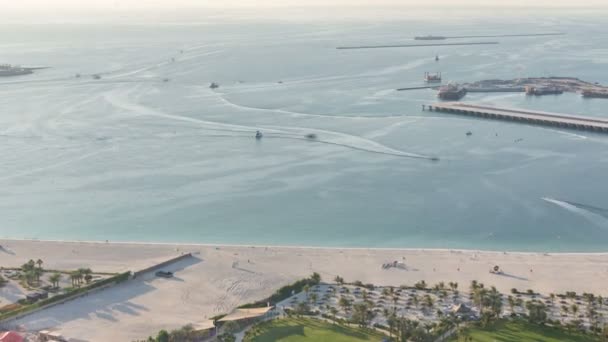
(479, 297)
(306, 289)
(313, 298)
(87, 274)
(339, 280)
(333, 311)
(55, 278)
(391, 320)
(565, 309)
(474, 285)
(511, 301)
(395, 300)
(75, 277)
(415, 300)
(344, 304)
(39, 262)
(552, 296)
(574, 309)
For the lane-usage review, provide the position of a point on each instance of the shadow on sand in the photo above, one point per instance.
(105, 304)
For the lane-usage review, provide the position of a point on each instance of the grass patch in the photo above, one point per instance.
(506, 331)
(308, 330)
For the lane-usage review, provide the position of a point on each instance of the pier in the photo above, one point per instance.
(412, 45)
(522, 116)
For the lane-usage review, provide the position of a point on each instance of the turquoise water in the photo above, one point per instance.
(129, 157)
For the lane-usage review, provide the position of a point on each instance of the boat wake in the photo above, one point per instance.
(122, 101)
(595, 215)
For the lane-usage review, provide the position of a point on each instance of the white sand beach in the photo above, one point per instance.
(219, 278)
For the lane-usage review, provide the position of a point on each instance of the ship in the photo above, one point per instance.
(589, 93)
(429, 37)
(451, 92)
(539, 91)
(7, 70)
(259, 135)
(432, 78)
(214, 85)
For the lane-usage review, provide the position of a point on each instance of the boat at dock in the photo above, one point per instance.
(589, 93)
(432, 78)
(451, 92)
(539, 91)
(7, 70)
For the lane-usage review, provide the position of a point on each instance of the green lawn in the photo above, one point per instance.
(308, 330)
(507, 331)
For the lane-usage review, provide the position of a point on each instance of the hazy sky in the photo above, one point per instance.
(141, 4)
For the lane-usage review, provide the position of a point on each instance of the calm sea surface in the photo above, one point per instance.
(130, 157)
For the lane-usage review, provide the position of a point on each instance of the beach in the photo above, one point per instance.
(219, 278)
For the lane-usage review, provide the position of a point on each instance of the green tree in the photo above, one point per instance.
(315, 278)
(345, 304)
(333, 311)
(511, 302)
(231, 327)
(574, 309)
(537, 312)
(362, 315)
(313, 298)
(55, 278)
(421, 285)
(306, 289)
(339, 280)
(163, 336)
(302, 308)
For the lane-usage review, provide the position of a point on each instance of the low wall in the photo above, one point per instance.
(6, 322)
(162, 264)
(85, 292)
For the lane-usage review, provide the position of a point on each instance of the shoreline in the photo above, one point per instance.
(218, 278)
(330, 248)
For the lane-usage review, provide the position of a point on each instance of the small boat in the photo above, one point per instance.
(432, 78)
(165, 80)
(311, 136)
(436, 58)
(214, 85)
(259, 135)
(469, 133)
(96, 77)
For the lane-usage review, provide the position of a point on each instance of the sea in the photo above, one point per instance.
(146, 151)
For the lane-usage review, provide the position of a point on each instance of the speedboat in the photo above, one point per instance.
(259, 135)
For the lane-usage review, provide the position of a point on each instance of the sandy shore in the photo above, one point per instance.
(219, 278)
